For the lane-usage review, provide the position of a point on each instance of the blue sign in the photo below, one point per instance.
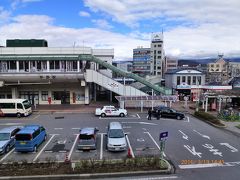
(163, 136)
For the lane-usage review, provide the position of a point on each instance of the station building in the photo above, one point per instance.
(31, 70)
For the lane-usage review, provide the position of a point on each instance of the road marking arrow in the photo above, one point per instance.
(205, 136)
(184, 135)
(193, 150)
(233, 149)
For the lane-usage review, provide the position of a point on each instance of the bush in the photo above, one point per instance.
(208, 117)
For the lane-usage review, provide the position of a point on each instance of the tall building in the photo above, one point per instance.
(170, 63)
(141, 61)
(157, 54)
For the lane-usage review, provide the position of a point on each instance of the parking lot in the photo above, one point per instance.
(190, 140)
(61, 143)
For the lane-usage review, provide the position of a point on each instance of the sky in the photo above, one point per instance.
(203, 28)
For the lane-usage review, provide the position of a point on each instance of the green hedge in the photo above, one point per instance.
(208, 117)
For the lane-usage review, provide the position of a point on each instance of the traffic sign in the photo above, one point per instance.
(163, 136)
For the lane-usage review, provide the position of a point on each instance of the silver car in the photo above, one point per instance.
(116, 140)
(87, 139)
(7, 138)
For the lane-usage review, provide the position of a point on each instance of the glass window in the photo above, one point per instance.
(189, 80)
(116, 133)
(159, 52)
(178, 80)
(56, 95)
(19, 106)
(183, 79)
(4, 136)
(194, 80)
(44, 95)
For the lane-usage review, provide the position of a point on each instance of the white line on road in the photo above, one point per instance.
(36, 117)
(233, 149)
(58, 128)
(156, 178)
(10, 152)
(70, 153)
(192, 166)
(187, 119)
(205, 136)
(184, 135)
(44, 147)
(130, 146)
(101, 148)
(138, 116)
(155, 142)
(10, 124)
(76, 128)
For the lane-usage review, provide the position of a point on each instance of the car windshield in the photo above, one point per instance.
(26, 104)
(4, 136)
(116, 133)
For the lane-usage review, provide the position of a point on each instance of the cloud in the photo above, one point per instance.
(17, 3)
(4, 15)
(102, 24)
(207, 39)
(35, 26)
(130, 11)
(84, 14)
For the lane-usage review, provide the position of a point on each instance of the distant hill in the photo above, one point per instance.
(195, 62)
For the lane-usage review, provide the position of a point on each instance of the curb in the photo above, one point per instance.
(222, 127)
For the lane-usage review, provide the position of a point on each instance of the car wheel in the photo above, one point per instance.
(122, 115)
(103, 115)
(7, 149)
(35, 148)
(178, 118)
(18, 115)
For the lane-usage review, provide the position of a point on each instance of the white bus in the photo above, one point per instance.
(15, 107)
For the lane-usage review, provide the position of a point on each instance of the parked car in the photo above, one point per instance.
(116, 140)
(29, 138)
(110, 111)
(168, 112)
(87, 139)
(7, 138)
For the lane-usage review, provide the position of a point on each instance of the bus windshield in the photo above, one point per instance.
(26, 104)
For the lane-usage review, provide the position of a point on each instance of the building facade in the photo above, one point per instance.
(157, 54)
(47, 75)
(170, 63)
(141, 61)
(218, 71)
(185, 82)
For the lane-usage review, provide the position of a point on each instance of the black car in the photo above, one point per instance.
(168, 112)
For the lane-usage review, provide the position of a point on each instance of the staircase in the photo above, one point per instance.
(110, 84)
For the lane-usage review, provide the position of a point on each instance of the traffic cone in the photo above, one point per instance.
(67, 160)
(129, 154)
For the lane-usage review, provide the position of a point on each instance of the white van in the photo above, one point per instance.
(15, 107)
(116, 140)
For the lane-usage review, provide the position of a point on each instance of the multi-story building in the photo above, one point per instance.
(157, 54)
(141, 61)
(233, 69)
(170, 63)
(218, 71)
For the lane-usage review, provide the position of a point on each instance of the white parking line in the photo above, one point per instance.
(187, 119)
(155, 142)
(44, 147)
(138, 116)
(130, 147)
(10, 152)
(70, 153)
(101, 148)
(76, 128)
(58, 128)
